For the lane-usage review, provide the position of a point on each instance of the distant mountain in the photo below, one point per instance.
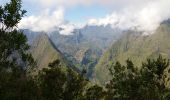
(44, 52)
(81, 49)
(31, 35)
(137, 47)
(86, 45)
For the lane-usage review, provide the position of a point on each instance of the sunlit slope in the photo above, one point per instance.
(44, 52)
(136, 47)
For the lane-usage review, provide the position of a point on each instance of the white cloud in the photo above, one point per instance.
(67, 29)
(44, 21)
(47, 22)
(144, 17)
(64, 3)
(108, 3)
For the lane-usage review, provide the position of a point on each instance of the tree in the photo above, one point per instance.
(147, 83)
(75, 86)
(13, 43)
(154, 78)
(124, 83)
(59, 82)
(95, 93)
(52, 81)
(15, 61)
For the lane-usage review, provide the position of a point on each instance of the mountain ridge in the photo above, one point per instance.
(136, 47)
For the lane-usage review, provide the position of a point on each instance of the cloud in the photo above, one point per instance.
(63, 3)
(67, 29)
(66, 3)
(47, 22)
(143, 15)
(44, 21)
(143, 18)
(108, 3)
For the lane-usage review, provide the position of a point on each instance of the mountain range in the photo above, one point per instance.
(81, 49)
(94, 48)
(137, 47)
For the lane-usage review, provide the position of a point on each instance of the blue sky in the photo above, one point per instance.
(77, 13)
(46, 15)
(81, 14)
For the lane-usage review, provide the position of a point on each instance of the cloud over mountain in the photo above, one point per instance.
(143, 15)
(144, 18)
(47, 22)
(43, 22)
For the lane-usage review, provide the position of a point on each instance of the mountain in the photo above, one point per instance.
(31, 35)
(44, 52)
(81, 49)
(137, 47)
(86, 45)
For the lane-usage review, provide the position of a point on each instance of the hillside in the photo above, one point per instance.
(44, 52)
(85, 46)
(137, 47)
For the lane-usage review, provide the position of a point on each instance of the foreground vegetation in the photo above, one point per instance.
(17, 82)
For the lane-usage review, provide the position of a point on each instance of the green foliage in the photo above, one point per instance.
(56, 84)
(95, 93)
(15, 61)
(12, 88)
(51, 82)
(153, 75)
(75, 86)
(148, 83)
(11, 14)
(13, 46)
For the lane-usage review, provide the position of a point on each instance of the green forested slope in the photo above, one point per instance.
(136, 47)
(44, 52)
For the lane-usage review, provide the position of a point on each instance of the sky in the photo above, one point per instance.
(46, 15)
